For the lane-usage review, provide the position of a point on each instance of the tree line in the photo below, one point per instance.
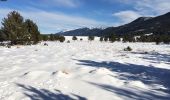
(152, 37)
(140, 37)
(157, 38)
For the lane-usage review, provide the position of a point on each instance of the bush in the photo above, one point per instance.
(52, 37)
(128, 49)
(68, 41)
(106, 39)
(91, 38)
(45, 44)
(74, 38)
(81, 39)
(8, 46)
(101, 39)
(61, 38)
(157, 42)
(112, 38)
(44, 37)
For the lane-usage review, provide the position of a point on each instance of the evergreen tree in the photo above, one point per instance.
(17, 31)
(44, 37)
(112, 38)
(90, 38)
(128, 38)
(106, 38)
(3, 36)
(101, 39)
(33, 32)
(157, 40)
(52, 37)
(61, 38)
(13, 26)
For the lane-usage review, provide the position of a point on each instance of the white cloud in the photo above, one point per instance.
(126, 16)
(141, 8)
(61, 3)
(70, 3)
(55, 21)
(148, 7)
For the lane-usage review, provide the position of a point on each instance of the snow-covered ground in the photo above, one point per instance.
(83, 70)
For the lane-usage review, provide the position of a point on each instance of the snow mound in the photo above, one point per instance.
(138, 84)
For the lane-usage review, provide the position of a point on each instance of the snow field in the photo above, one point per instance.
(91, 70)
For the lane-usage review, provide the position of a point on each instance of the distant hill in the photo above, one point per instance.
(142, 25)
(82, 32)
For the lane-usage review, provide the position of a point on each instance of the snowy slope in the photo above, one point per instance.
(83, 70)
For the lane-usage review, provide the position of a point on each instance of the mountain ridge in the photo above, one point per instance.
(141, 25)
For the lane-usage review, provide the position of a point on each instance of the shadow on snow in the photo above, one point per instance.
(155, 57)
(131, 95)
(43, 94)
(146, 74)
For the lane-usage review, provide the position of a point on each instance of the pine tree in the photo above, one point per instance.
(128, 38)
(33, 32)
(90, 38)
(105, 38)
(19, 32)
(61, 38)
(101, 39)
(44, 37)
(13, 26)
(3, 36)
(157, 40)
(52, 37)
(112, 38)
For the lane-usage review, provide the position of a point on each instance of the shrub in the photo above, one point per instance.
(74, 38)
(68, 41)
(106, 39)
(61, 38)
(157, 42)
(45, 44)
(112, 38)
(91, 38)
(52, 37)
(101, 39)
(8, 46)
(128, 49)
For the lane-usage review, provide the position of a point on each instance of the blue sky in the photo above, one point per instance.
(61, 15)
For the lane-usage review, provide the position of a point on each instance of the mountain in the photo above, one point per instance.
(142, 25)
(82, 32)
